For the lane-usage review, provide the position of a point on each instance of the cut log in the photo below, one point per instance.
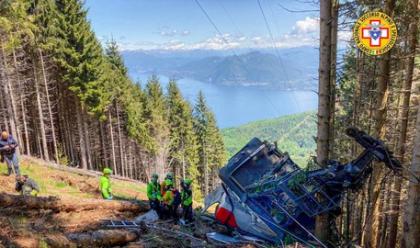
(54, 203)
(104, 238)
(59, 241)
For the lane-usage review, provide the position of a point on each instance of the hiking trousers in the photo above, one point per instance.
(12, 162)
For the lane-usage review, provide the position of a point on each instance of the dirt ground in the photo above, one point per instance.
(30, 228)
(35, 228)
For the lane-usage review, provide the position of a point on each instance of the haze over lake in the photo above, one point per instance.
(237, 105)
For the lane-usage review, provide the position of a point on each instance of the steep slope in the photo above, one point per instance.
(69, 212)
(76, 205)
(294, 134)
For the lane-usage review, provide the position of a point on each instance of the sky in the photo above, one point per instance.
(183, 25)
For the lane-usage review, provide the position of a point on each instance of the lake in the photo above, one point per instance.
(234, 106)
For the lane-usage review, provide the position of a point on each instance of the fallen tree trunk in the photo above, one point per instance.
(105, 238)
(54, 203)
(74, 170)
(98, 238)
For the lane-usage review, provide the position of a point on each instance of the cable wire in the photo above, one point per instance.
(214, 25)
(232, 50)
(272, 39)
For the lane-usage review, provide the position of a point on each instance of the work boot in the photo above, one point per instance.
(17, 171)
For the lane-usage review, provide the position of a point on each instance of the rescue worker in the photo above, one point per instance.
(8, 147)
(186, 200)
(171, 200)
(169, 176)
(154, 194)
(26, 186)
(105, 184)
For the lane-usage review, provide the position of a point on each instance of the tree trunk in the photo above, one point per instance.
(54, 203)
(20, 89)
(50, 113)
(382, 93)
(104, 155)
(206, 170)
(333, 74)
(111, 133)
(87, 142)
(70, 137)
(411, 218)
(120, 143)
(105, 238)
(322, 227)
(23, 111)
(80, 128)
(40, 115)
(401, 149)
(8, 93)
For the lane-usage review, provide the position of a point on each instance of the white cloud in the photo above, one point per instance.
(307, 25)
(304, 32)
(167, 32)
(218, 42)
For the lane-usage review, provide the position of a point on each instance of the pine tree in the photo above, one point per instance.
(183, 154)
(156, 115)
(81, 57)
(210, 145)
(217, 152)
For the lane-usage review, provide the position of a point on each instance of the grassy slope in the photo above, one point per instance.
(62, 183)
(30, 228)
(294, 134)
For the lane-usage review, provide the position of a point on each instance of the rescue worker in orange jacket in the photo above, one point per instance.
(171, 200)
(169, 176)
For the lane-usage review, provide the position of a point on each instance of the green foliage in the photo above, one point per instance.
(96, 79)
(156, 114)
(183, 143)
(126, 93)
(16, 23)
(210, 143)
(80, 57)
(294, 134)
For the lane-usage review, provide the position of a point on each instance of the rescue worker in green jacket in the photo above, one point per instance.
(105, 184)
(186, 200)
(154, 194)
(171, 200)
(169, 176)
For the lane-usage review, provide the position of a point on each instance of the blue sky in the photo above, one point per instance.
(181, 24)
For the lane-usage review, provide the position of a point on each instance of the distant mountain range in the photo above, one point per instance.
(294, 68)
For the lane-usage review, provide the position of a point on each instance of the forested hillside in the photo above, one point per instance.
(293, 133)
(66, 98)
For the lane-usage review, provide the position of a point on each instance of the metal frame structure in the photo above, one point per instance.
(266, 184)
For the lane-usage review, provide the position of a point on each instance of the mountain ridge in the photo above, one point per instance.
(289, 69)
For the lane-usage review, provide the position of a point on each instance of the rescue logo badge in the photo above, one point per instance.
(375, 33)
